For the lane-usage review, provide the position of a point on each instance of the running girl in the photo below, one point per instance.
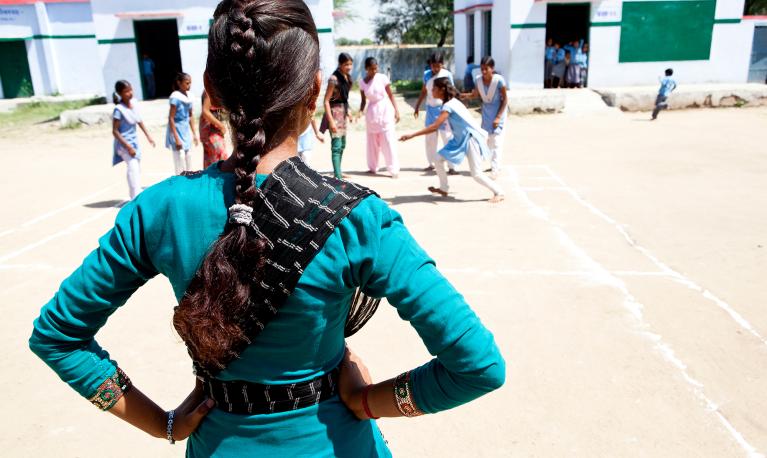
(125, 117)
(337, 109)
(491, 88)
(468, 140)
(380, 117)
(181, 130)
(212, 131)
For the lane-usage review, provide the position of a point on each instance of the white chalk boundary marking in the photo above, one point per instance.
(69, 230)
(601, 275)
(77, 203)
(677, 276)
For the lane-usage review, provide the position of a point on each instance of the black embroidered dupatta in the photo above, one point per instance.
(295, 212)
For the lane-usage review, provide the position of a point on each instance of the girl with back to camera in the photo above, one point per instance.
(469, 140)
(381, 114)
(181, 131)
(337, 110)
(125, 117)
(268, 288)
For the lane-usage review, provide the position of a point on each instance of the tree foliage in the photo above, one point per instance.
(414, 21)
(345, 8)
(755, 7)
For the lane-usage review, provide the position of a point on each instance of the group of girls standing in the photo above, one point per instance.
(446, 116)
(179, 136)
(378, 107)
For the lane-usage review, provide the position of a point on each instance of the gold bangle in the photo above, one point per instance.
(111, 390)
(403, 396)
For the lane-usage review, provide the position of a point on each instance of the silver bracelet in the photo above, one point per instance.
(169, 428)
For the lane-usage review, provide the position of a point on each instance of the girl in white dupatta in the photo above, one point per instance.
(491, 88)
(125, 117)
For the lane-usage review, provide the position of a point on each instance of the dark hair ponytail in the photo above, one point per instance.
(344, 58)
(180, 77)
(120, 86)
(263, 57)
(448, 90)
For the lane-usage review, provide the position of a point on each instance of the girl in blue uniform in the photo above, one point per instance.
(125, 117)
(433, 108)
(181, 132)
(306, 141)
(468, 141)
(491, 88)
(263, 67)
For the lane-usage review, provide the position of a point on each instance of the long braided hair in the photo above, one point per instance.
(263, 58)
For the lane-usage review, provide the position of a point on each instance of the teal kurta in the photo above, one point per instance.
(168, 229)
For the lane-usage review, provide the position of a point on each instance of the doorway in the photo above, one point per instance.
(159, 56)
(757, 71)
(14, 70)
(568, 22)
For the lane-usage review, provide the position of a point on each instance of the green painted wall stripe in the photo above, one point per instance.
(326, 30)
(62, 37)
(529, 26)
(51, 37)
(117, 40)
(605, 24)
(203, 36)
(727, 21)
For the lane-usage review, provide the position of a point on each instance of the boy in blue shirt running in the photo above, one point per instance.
(667, 86)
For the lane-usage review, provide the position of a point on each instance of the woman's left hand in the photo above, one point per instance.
(151, 142)
(196, 140)
(352, 380)
(396, 117)
(190, 413)
(405, 137)
(496, 123)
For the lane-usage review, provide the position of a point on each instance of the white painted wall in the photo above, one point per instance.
(322, 12)
(120, 60)
(527, 44)
(84, 76)
(730, 48)
(501, 32)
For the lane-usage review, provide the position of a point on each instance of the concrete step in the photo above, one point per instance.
(584, 101)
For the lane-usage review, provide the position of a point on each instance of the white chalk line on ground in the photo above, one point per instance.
(77, 203)
(677, 276)
(69, 230)
(601, 275)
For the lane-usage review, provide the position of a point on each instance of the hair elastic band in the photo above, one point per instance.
(241, 214)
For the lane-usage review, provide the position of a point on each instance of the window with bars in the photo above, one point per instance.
(487, 33)
(470, 36)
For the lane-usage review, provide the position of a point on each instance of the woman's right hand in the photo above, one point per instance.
(179, 145)
(333, 128)
(132, 151)
(352, 380)
(190, 413)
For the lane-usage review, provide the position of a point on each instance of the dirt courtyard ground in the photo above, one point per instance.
(624, 277)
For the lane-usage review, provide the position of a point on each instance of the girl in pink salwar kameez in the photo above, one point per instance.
(380, 116)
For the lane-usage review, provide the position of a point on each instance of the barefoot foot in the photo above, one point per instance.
(434, 190)
(497, 198)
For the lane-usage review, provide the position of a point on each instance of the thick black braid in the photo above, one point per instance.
(263, 56)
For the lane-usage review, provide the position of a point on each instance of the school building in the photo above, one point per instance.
(631, 42)
(84, 46)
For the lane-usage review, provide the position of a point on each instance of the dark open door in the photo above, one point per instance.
(158, 40)
(14, 69)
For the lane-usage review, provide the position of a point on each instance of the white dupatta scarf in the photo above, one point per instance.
(487, 96)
